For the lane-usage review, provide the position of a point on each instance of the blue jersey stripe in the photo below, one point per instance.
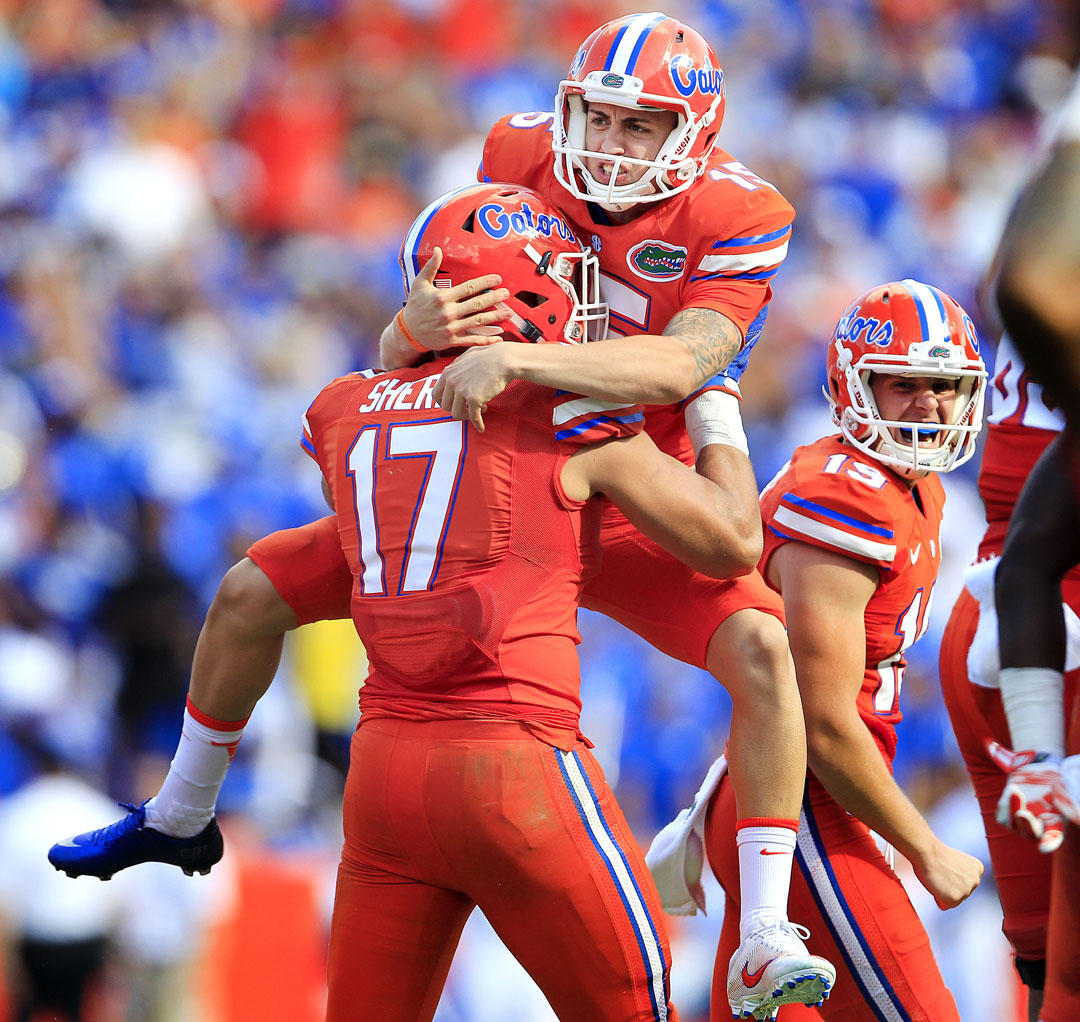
(762, 275)
(828, 512)
(753, 239)
(565, 434)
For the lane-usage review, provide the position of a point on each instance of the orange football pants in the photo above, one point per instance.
(1061, 996)
(857, 911)
(442, 816)
(640, 585)
(1021, 872)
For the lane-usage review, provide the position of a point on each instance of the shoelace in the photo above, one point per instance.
(118, 829)
(779, 934)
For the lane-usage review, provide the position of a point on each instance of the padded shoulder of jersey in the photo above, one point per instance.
(331, 400)
(834, 498)
(518, 149)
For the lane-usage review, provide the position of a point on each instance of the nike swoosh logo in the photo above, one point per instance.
(68, 842)
(915, 553)
(751, 979)
(765, 851)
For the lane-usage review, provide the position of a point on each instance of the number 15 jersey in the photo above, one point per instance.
(716, 246)
(833, 496)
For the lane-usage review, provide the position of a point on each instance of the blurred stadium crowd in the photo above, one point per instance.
(201, 203)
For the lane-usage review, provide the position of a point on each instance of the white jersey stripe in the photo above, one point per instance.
(625, 54)
(744, 260)
(798, 523)
(584, 406)
(616, 864)
(829, 899)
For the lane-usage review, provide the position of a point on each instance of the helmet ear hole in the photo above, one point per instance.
(530, 298)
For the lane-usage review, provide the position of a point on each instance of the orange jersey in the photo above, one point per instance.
(716, 245)
(467, 555)
(1020, 426)
(832, 495)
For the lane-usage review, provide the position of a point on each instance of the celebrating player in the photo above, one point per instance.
(470, 782)
(852, 544)
(688, 240)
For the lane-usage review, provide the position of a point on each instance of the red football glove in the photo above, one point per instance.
(1034, 795)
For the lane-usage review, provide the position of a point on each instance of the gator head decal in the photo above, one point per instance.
(657, 260)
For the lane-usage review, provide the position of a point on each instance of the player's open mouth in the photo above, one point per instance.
(929, 437)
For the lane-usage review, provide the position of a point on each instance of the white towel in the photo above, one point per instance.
(983, 662)
(676, 856)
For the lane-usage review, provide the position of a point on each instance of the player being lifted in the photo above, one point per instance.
(688, 241)
(852, 544)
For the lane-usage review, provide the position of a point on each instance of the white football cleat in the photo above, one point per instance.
(771, 968)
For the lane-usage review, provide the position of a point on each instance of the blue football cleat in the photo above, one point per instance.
(101, 853)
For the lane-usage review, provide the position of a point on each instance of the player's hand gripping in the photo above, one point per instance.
(454, 317)
(469, 382)
(949, 874)
(1035, 801)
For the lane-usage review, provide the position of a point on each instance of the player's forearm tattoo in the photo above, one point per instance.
(713, 340)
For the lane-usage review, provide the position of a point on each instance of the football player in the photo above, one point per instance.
(688, 241)
(852, 544)
(1041, 792)
(470, 781)
(1021, 425)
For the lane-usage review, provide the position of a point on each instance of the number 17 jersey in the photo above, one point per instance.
(467, 556)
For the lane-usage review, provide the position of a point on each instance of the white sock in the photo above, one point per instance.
(766, 854)
(185, 804)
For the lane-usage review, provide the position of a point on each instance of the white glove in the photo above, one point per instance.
(1035, 800)
(1068, 804)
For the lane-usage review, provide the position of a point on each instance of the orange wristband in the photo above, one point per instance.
(399, 319)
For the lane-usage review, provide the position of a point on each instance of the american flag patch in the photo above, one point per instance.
(442, 280)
